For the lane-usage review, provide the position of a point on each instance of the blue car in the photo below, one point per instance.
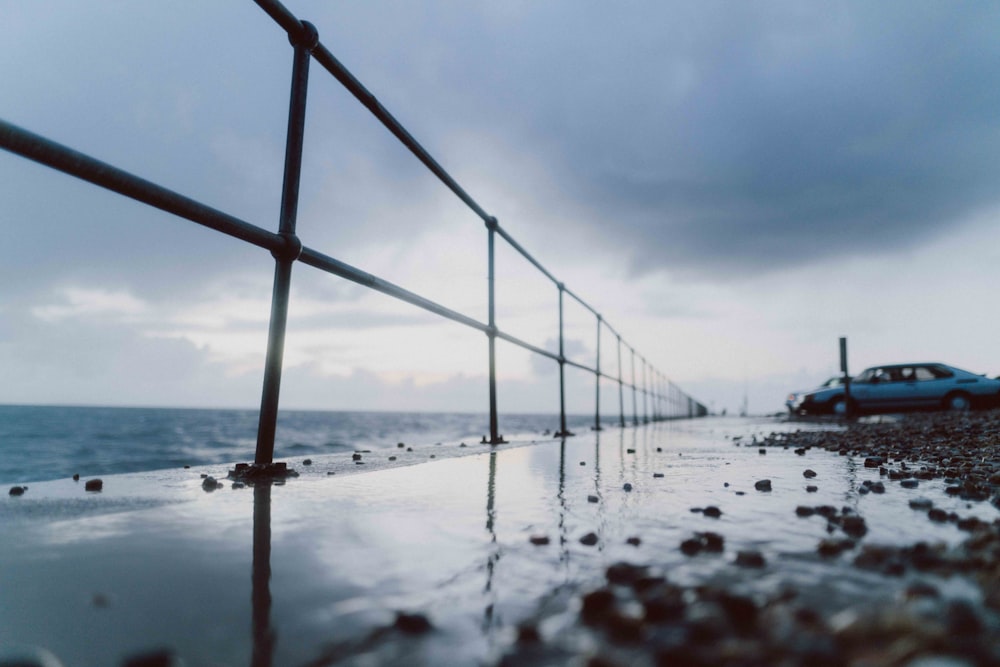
(900, 387)
(795, 398)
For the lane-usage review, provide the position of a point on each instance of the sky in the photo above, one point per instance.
(733, 186)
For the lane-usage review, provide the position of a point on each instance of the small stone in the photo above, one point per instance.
(624, 574)
(355, 457)
(763, 485)
(712, 542)
(712, 511)
(630, 451)
(593, 499)
(17, 490)
(392, 458)
(204, 475)
(462, 445)
(539, 540)
(76, 477)
(627, 487)
(331, 473)
(691, 547)
(589, 540)
(596, 605)
(210, 484)
(762, 451)
(307, 462)
(528, 634)
(409, 449)
(874, 461)
(740, 493)
(634, 541)
(432, 455)
(921, 504)
(94, 485)
(361, 463)
(877, 487)
(830, 548)
(909, 483)
(750, 559)
(803, 510)
(412, 624)
(937, 515)
(657, 475)
(583, 463)
(808, 474)
(400, 445)
(238, 485)
(659, 449)
(854, 526)
(801, 451)
(812, 489)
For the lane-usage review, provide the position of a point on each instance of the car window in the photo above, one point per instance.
(940, 371)
(923, 373)
(886, 375)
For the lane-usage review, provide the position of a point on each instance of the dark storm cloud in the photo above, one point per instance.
(722, 138)
(708, 138)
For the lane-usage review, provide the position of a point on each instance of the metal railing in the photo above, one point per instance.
(661, 399)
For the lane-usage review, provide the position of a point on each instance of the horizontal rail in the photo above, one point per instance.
(67, 160)
(59, 157)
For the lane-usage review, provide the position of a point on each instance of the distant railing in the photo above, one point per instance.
(661, 399)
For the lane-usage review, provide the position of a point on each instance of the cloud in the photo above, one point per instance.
(717, 141)
(80, 302)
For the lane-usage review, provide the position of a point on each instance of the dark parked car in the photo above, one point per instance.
(899, 387)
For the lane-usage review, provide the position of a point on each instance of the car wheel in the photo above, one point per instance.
(957, 402)
(838, 406)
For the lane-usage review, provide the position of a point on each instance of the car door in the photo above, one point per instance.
(874, 392)
(934, 382)
(907, 387)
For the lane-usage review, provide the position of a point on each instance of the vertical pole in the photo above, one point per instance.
(635, 409)
(621, 386)
(847, 377)
(495, 437)
(303, 43)
(563, 431)
(645, 394)
(597, 383)
(652, 393)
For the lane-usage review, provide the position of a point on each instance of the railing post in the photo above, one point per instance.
(621, 386)
(645, 394)
(495, 438)
(563, 431)
(635, 409)
(659, 395)
(597, 383)
(303, 43)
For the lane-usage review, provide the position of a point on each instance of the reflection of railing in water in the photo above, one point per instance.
(661, 399)
(263, 636)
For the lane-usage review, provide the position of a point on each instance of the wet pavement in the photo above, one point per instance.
(453, 561)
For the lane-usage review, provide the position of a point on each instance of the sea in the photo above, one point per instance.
(39, 443)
